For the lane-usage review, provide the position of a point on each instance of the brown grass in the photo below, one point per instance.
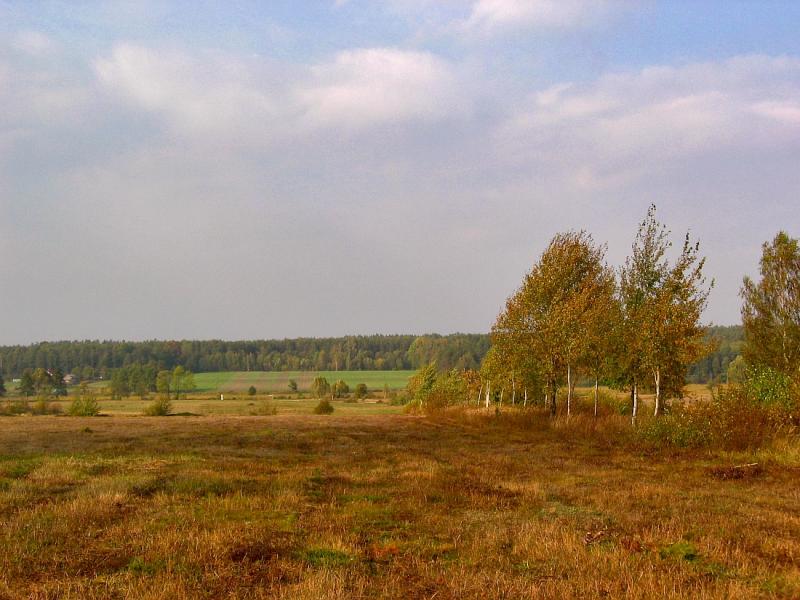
(385, 506)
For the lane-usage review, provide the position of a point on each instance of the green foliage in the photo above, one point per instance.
(771, 309)
(26, 387)
(251, 391)
(737, 370)
(324, 407)
(2, 386)
(768, 386)
(292, 386)
(160, 407)
(360, 391)
(422, 382)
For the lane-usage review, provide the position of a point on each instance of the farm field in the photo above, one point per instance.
(278, 381)
(382, 506)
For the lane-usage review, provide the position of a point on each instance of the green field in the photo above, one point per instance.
(278, 381)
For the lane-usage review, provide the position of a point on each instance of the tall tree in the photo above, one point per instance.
(543, 324)
(771, 309)
(661, 309)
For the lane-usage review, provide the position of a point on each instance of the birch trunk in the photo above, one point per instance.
(525, 402)
(569, 390)
(657, 377)
(502, 391)
(480, 393)
(488, 389)
(635, 403)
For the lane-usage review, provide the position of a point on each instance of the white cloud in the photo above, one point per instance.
(628, 125)
(257, 101)
(489, 16)
(375, 85)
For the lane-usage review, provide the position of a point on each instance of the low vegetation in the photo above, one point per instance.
(479, 506)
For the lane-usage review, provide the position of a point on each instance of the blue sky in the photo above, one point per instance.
(250, 169)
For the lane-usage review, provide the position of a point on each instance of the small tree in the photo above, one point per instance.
(59, 387)
(320, 387)
(164, 383)
(771, 310)
(26, 387)
(251, 391)
(361, 391)
(2, 386)
(293, 386)
(340, 389)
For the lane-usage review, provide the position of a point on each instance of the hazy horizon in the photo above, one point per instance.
(193, 170)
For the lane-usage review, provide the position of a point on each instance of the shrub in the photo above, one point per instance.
(84, 406)
(160, 407)
(734, 419)
(323, 408)
(361, 391)
(251, 391)
(413, 408)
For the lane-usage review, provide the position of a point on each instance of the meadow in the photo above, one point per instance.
(278, 381)
(384, 505)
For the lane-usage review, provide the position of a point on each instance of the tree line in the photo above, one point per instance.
(95, 359)
(88, 360)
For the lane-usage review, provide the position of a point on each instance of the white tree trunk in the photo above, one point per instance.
(480, 393)
(635, 403)
(502, 391)
(488, 389)
(525, 402)
(569, 390)
(657, 377)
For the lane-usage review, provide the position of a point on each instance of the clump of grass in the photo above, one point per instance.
(323, 408)
(161, 407)
(264, 408)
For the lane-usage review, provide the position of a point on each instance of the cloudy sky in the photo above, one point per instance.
(249, 169)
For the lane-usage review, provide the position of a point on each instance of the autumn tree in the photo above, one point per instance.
(545, 323)
(771, 309)
(661, 309)
(320, 387)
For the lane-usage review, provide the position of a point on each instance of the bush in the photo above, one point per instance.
(251, 391)
(323, 408)
(413, 408)
(160, 407)
(84, 406)
(361, 391)
(734, 420)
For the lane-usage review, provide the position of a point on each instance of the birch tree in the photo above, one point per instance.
(771, 310)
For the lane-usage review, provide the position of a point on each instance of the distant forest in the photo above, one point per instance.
(92, 359)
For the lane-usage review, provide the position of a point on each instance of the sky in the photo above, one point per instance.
(249, 169)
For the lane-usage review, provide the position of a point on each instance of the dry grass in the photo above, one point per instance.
(384, 506)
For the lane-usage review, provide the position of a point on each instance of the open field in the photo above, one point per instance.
(242, 405)
(278, 381)
(382, 506)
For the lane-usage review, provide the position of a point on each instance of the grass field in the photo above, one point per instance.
(278, 381)
(382, 506)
